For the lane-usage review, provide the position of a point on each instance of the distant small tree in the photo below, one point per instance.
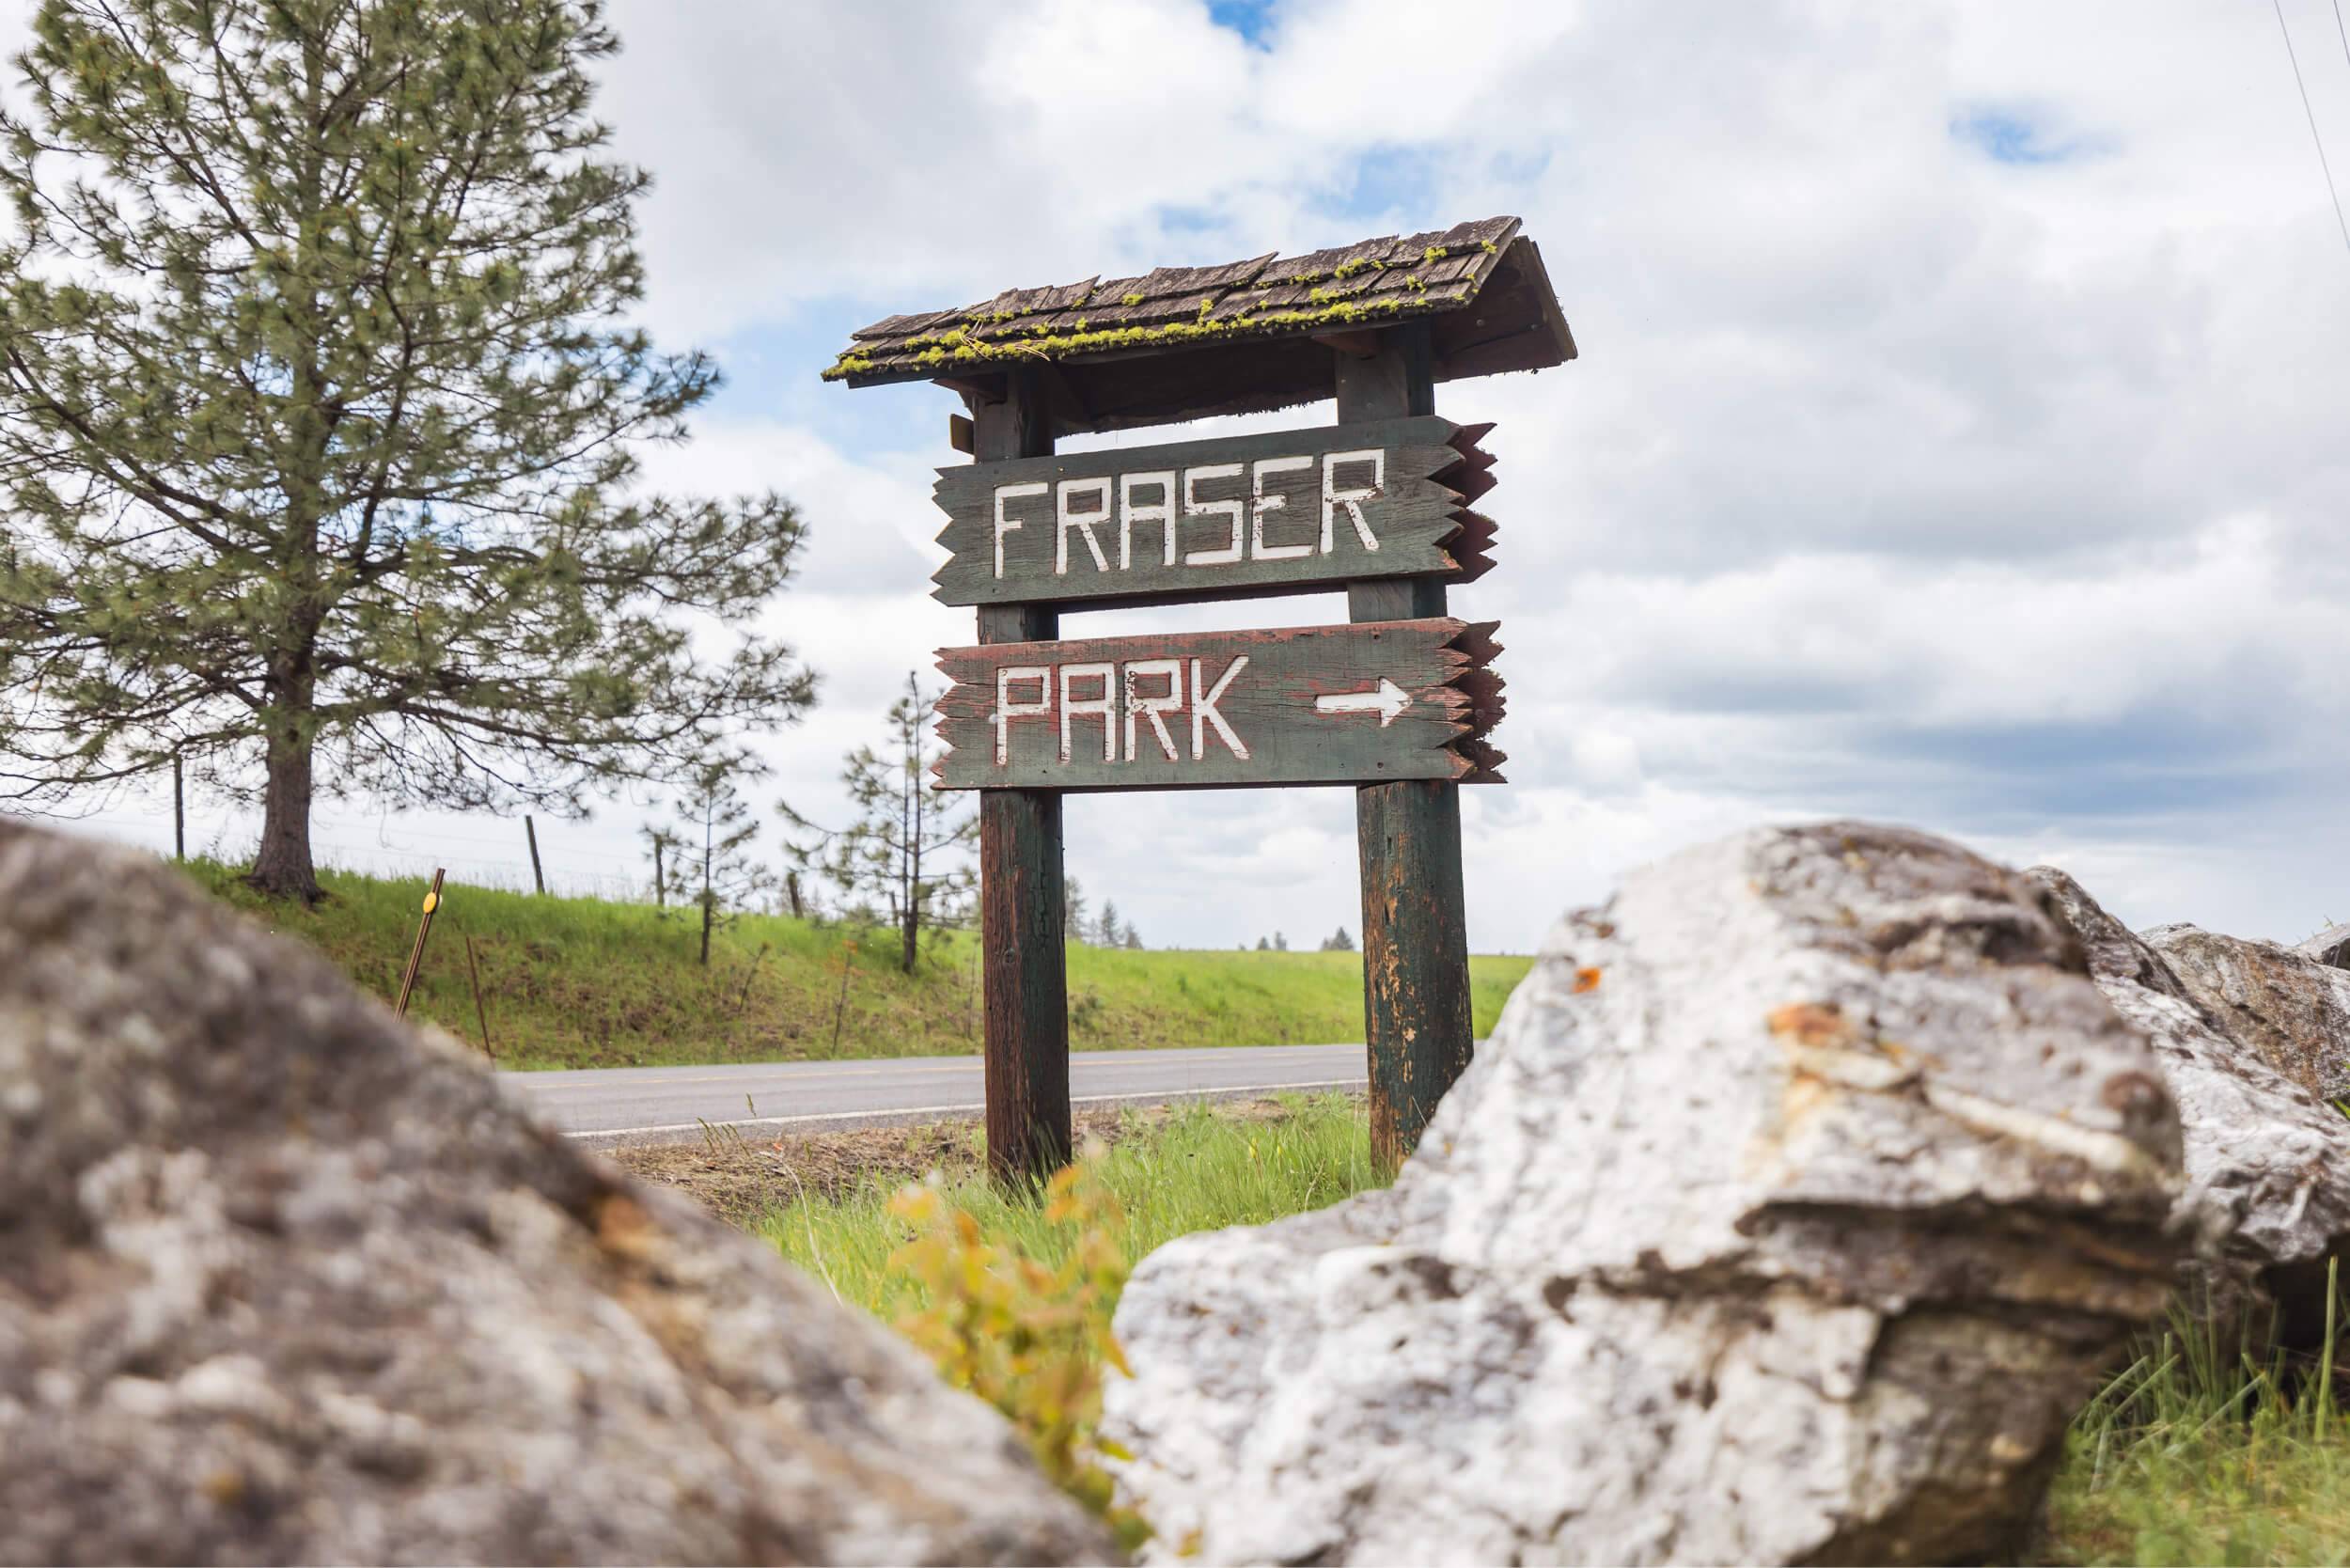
(666, 847)
(1072, 911)
(1337, 942)
(1134, 938)
(906, 851)
(1280, 943)
(1111, 932)
(1264, 945)
(717, 828)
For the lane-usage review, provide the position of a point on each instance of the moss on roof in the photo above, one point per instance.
(907, 346)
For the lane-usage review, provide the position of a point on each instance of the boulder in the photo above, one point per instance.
(2267, 1162)
(282, 1280)
(2330, 946)
(1802, 1195)
(2288, 1005)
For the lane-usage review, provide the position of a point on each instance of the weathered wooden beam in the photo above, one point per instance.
(1407, 836)
(1026, 980)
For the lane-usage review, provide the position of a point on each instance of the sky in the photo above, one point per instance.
(1958, 438)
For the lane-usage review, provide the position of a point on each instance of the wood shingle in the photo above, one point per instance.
(1179, 343)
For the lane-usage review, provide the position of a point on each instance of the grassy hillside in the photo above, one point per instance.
(580, 982)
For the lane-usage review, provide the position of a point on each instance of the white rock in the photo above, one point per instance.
(2282, 1002)
(1801, 1194)
(2263, 1153)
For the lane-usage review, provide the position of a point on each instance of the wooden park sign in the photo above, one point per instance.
(1315, 705)
(1397, 702)
(1229, 519)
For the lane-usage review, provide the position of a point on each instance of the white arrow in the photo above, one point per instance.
(1386, 700)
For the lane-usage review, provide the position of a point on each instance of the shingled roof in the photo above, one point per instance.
(1233, 338)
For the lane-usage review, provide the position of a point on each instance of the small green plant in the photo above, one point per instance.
(1030, 1338)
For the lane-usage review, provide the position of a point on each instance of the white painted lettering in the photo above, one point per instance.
(1258, 548)
(1160, 511)
(1139, 706)
(1235, 509)
(1073, 706)
(1081, 521)
(1333, 496)
(1006, 709)
(1203, 710)
(1004, 525)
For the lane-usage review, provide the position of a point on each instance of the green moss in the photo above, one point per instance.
(1131, 299)
(1489, 248)
(959, 348)
(1433, 253)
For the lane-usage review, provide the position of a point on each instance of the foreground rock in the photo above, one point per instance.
(278, 1281)
(2289, 1005)
(1802, 1195)
(2267, 1164)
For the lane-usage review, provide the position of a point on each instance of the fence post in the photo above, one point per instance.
(538, 877)
(415, 956)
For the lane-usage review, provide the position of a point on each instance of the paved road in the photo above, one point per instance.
(662, 1105)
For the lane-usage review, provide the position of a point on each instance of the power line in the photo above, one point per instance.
(2327, 168)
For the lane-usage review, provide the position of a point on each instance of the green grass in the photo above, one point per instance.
(1196, 1169)
(2194, 1454)
(2201, 1454)
(586, 982)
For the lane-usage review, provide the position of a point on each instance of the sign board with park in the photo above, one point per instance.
(1397, 701)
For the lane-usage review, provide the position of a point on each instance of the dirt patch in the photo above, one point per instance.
(741, 1178)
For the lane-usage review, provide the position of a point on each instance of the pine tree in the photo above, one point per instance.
(716, 827)
(906, 849)
(1134, 938)
(320, 422)
(1339, 942)
(1109, 933)
(1073, 912)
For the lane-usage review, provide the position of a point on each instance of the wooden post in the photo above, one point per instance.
(530, 831)
(1407, 836)
(1026, 1045)
(179, 812)
(415, 955)
(481, 1014)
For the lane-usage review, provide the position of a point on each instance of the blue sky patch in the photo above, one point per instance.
(1251, 18)
(2008, 134)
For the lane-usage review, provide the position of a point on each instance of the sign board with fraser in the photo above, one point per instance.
(1397, 701)
(1228, 519)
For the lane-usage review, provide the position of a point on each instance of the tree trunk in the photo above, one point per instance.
(282, 867)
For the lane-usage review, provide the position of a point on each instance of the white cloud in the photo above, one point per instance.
(2000, 497)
